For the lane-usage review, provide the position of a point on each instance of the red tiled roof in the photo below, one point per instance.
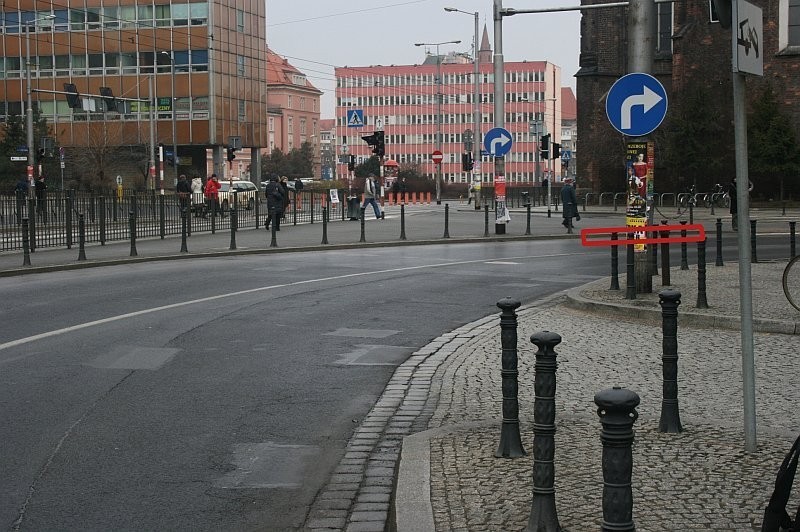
(569, 105)
(326, 124)
(279, 72)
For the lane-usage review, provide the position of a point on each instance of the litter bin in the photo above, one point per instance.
(353, 208)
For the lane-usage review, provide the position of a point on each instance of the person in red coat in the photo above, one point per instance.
(212, 195)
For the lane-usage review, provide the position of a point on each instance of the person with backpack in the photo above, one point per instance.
(275, 198)
(370, 192)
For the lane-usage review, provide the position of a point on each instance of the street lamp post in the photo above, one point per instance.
(174, 113)
(29, 112)
(438, 112)
(476, 105)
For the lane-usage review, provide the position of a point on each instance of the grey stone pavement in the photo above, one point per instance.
(423, 458)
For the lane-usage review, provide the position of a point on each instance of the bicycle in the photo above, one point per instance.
(717, 198)
(686, 199)
(791, 282)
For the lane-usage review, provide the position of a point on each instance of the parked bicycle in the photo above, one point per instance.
(717, 198)
(791, 282)
(686, 198)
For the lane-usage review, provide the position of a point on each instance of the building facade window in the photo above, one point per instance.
(240, 21)
(240, 65)
(289, 101)
(664, 28)
(789, 29)
(242, 111)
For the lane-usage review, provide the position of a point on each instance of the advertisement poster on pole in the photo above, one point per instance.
(334, 196)
(502, 215)
(639, 177)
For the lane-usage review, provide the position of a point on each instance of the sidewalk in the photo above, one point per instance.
(700, 479)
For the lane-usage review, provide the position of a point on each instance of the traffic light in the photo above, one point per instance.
(380, 144)
(231, 154)
(556, 150)
(73, 96)
(544, 147)
(467, 164)
(351, 163)
(108, 98)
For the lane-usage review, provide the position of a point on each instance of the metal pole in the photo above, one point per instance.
(81, 237)
(702, 302)
(684, 258)
(476, 118)
(174, 125)
(402, 221)
(446, 221)
(630, 284)
(499, 95)
(26, 250)
(29, 110)
(719, 243)
(363, 229)
(792, 226)
(324, 225)
(184, 225)
(438, 124)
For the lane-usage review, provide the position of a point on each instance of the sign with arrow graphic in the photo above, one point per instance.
(636, 104)
(497, 141)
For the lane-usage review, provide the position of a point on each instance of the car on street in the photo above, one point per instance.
(246, 194)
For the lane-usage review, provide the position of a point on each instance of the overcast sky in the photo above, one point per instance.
(316, 35)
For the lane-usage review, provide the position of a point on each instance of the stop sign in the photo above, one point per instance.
(437, 156)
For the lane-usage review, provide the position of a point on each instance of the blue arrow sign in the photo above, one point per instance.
(355, 118)
(497, 141)
(636, 104)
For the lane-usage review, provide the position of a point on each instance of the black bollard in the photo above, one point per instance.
(544, 517)
(446, 221)
(486, 220)
(528, 212)
(162, 215)
(791, 239)
(702, 302)
(234, 220)
(81, 237)
(670, 417)
(652, 254)
(614, 263)
(363, 228)
(132, 226)
(617, 410)
(184, 226)
(665, 278)
(324, 225)
(753, 251)
(684, 256)
(32, 224)
(719, 243)
(402, 221)
(69, 200)
(26, 249)
(102, 201)
(510, 442)
(630, 288)
(274, 228)
(691, 213)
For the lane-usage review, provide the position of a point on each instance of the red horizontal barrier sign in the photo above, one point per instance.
(601, 236)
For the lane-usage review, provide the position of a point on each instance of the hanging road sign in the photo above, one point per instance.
(497, 141)
(19, 158)
(355, 118)
(437, 156)
(636, 104)
(748, 47)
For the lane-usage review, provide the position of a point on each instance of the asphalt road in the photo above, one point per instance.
(218, 394)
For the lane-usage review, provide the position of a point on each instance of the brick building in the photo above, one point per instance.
(693, 62)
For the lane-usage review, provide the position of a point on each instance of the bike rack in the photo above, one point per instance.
(600, 201)
(669, 194)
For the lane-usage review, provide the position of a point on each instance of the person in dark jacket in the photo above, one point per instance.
(40, 190)
(275, 198)
(184, 190)
(569, 201)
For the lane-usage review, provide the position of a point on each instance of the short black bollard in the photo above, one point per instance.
(324, 225)
(691, 213)
(81, 237)
(719, 243)
(544, 517)
(614, 263)
(402, 221)
(684, 255)
(528, 213)
(363, 229)
(652, 253)
(184, 227)
(26, 249)
(753, 250)
(102, 201)
(702, 302)
(665, 277)
(132, 226)
(162, 227)
(791, 239)
(273, 228)
(69, 201)
(630, 285)
(670, 417)
(32, 224)
(510, 442)
(234, 221)
(446, 221)
(617, 410)
(486, 220)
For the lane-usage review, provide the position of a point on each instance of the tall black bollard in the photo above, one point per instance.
(102, 201)
(528, 213)
(446, 221)
(652, 254)
(184, 227)
(162, 217)
(544, 517)
(791, 239)
(234, 223)
(665, 278)
(630, 285)
(753, 250)
(81, 237)
(691, 213)
(617, 410)
(132, 227)
(670, 416)
(510, 442)
(702, 302)
(26, 249)
(402, 221)
(486, 220)
(32, 224)
(363, 229)
(614, 263)
(68, 217)
(684, 257)
(719, 243)
(324, 225)
(274, 228)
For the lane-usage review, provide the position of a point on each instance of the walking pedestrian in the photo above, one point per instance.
(197, 196)
(212, 195)
(40, 190)
(370, 190)
(184, 190)
(569, 202)
(275, 198)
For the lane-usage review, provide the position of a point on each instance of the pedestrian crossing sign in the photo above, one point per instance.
(355, 118)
